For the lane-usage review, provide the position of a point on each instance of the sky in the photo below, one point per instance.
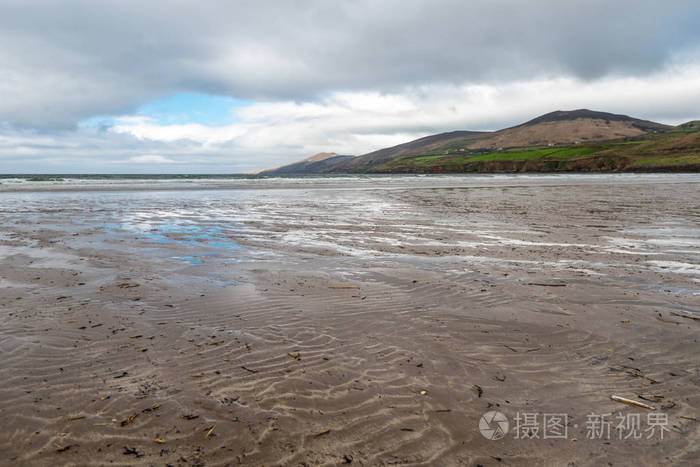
(220, 87)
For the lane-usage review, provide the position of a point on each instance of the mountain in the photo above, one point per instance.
(420, 145)
(566, 127)
(576, 141)
(563, 115)
(318, 163)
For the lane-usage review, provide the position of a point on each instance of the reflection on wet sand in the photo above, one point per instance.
(321, 321)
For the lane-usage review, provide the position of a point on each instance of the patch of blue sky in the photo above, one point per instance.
(181, 109)
(186, 108)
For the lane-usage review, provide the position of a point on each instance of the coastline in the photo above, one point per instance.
(77, 183)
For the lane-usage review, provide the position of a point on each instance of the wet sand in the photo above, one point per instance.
(326, 323)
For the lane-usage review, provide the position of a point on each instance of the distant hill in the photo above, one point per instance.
(565, 127)
(563, 115)
(426, 143)
(318, 163)
(576, 140)
(692, 125)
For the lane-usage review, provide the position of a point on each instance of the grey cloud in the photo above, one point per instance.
(90, 150)
(70, 60)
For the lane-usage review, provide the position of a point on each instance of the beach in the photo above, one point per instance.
(350, 320)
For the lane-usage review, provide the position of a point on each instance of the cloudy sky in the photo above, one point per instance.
(209, 87)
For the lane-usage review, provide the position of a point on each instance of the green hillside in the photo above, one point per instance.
(675, 150)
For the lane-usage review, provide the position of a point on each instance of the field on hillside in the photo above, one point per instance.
(675, 150)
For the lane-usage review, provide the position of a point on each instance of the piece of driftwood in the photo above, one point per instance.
(624, 400)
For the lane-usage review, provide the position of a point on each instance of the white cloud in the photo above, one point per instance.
(359, 122)
(147, 129)
(63, 62)
(271, 133)
(150, 159)
(347, 76)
